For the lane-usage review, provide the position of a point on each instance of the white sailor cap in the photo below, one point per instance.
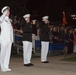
(45, 17)
(26, 16)
(5, 8)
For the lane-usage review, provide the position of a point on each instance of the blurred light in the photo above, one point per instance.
(73, 18)
(73, 15)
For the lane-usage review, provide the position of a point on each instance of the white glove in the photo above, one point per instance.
(3, 16)
(5, 12)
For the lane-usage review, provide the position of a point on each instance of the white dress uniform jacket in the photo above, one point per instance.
(6, 31)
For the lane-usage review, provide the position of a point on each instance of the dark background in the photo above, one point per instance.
(39, 8)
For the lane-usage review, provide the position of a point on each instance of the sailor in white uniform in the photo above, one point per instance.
(6, 39)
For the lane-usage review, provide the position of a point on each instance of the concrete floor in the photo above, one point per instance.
(55, 67)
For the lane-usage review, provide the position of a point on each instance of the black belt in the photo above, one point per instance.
(27, 32)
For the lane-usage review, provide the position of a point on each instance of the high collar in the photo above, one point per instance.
(6, 17)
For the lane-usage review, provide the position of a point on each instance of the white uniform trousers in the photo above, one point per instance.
(5, 55)
(44, 50)
(27, 51)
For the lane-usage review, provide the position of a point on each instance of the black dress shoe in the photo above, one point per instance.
(31, 64)
(45, 62)
(28, 65)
